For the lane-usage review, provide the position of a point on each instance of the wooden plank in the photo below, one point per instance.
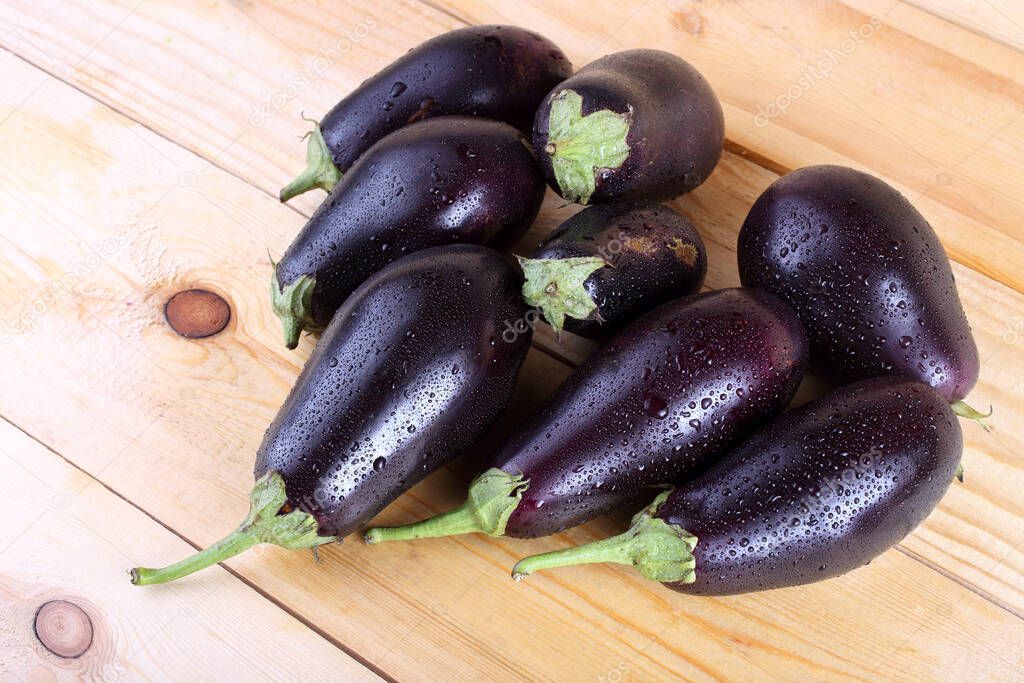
(172, 424)
(64, 538)
(920, 105)
(999, 20)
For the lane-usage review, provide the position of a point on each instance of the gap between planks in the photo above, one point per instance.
(369, 666)
(731, 146)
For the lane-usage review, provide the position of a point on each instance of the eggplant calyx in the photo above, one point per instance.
(493, 497)
(555, 286)
(320, 169)
(960, 472)
(264, 524)
(293, 305)
(659, 550)
(581, 147)
(963, 410)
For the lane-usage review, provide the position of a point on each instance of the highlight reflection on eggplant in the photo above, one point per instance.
(638, 124)
(447, 180)
(866, 274)
(497, 72)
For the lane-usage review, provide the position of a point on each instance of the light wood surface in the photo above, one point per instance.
(135, 167)
(62, 537)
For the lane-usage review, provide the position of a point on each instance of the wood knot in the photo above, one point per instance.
(64, 628)
(197, 313)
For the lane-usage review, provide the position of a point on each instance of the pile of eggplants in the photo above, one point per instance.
(430, 172)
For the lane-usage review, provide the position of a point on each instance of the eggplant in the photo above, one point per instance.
(639, 124)
(867, 276)
(658, 403)
(497, 72)
(609, 263)
(820, 491)
(410, 372)
(442, 181)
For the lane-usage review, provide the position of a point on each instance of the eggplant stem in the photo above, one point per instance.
(264, 524)
(580, 147)
(964, 410)
(233, 544)
(659, 550)
(556, 287)
(320, 169)
(293, 305)
(493, 497)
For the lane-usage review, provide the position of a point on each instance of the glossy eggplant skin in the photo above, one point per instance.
(411, 371)
(820, 491)
(676, 128)
(867, 276)
(656, 404)
(497, 72)
(654, 253)
(443, 181)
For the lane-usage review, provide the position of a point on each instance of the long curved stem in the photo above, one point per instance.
(264, 524)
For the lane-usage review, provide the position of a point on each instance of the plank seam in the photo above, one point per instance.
(298, 617)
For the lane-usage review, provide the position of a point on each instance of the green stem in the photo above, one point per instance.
(233, 544)
(659, 550)
(293, 305)
(963, 410)
(264, 524)
(580, 147)
(493, 497)
(320, 169)
(556, 287)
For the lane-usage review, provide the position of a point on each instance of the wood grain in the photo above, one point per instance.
(172, 423)
(999, 20)
(66, 540)
(918, 104)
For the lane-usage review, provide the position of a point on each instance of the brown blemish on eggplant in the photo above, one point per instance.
(686, 252)
(63, 628)
(640, 245)
(197, 313)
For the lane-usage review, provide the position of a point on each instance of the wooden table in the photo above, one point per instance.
(141, 148)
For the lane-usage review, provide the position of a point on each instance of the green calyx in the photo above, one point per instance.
(659, 550)
(293, 305)
(493, 497)
(581, 147)
(263, 524)
(555, 286)
(320, 169)
(963, 410)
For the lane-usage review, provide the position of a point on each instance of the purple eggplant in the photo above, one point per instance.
(658, 403)
(867, 276)
(497, 72)
(442, 181)
(610, 263)
(820, 491)
(639, 124)
(411, 371)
